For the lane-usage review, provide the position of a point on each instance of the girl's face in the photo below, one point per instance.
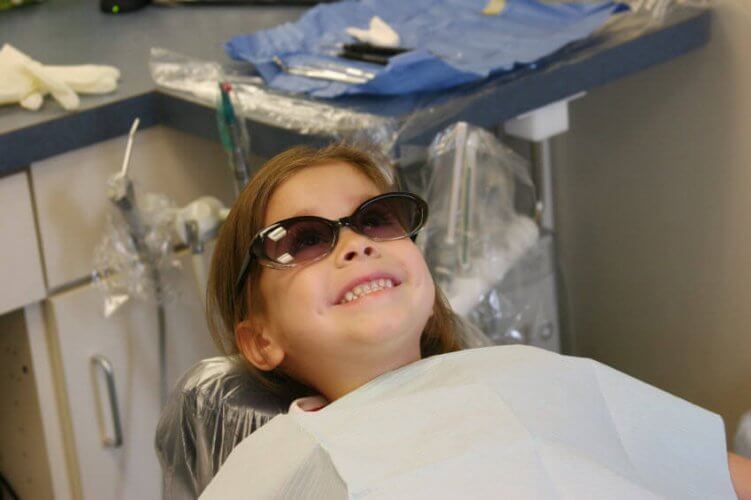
(317, 338)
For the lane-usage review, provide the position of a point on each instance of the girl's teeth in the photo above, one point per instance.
(366, 288)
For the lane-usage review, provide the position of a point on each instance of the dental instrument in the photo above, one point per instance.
(122, 194)
(364, 57)
(468, 202)
(234, 136)
(367, 52)
(461, 139)
(332, 73)
(369, 48)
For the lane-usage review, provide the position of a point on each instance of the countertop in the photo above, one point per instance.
(76, 32)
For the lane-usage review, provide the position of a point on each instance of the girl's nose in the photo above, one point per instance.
(353, 246)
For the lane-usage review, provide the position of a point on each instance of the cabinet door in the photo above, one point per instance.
(129, 341)
(20, 266)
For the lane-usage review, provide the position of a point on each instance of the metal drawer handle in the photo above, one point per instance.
(103, 364)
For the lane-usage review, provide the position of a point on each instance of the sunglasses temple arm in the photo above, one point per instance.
(243, 272)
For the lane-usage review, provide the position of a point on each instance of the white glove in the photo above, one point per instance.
(379, 33)
(26, 81)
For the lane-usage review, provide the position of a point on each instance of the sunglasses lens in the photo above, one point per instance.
(390, 218)
(298, 241)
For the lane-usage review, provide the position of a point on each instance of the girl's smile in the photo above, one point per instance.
(366, 285)
(372, 288)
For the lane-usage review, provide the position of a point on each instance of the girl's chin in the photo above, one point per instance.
(385, 331)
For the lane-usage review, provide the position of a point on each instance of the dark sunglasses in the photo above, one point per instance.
(305, 239)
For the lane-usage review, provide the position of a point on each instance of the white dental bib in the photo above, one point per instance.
(497, 422)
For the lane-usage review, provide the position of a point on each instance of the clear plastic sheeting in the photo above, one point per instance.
(214, 406)
(199, 79)
(522, 308)
(474, 234)
(657, 10)
(469, 336)
(137, 266)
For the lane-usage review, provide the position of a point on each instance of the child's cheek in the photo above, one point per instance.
(420, 268)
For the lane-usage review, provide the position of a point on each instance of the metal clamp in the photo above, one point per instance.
(102, 364)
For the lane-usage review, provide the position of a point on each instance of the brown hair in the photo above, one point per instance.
(226, 306)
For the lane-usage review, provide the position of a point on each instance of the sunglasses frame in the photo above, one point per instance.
(256, 247)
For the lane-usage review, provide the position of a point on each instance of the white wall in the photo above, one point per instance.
(654, 219)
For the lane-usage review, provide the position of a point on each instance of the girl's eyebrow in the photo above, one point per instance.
(310, 211)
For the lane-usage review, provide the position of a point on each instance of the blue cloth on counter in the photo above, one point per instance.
(453, 42)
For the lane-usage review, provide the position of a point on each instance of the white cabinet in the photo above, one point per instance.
(21, 280)
(129, 341)
(71, 190)
(68, 327)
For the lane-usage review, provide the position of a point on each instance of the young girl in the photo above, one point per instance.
(326, 306)
(316, 280)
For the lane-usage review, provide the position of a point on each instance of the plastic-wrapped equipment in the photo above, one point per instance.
(199, 79)
(129, 265)
(214, 406)
(523, 307)
(475, 233)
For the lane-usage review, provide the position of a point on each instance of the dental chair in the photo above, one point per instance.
(214, 406)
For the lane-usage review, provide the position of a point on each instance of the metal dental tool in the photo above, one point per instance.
(234, 136)
(336, 73)
(121, 193)
(468, 202)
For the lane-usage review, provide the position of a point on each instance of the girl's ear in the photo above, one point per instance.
(257, 346)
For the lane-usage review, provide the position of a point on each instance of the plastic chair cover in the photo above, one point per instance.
(213, 407)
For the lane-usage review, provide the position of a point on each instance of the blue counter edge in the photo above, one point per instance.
(21, 147)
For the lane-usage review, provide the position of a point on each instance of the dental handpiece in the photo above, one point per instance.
(121, 193)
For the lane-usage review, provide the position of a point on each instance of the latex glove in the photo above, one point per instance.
(26, 81)
(379, 33)
(16, 84)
